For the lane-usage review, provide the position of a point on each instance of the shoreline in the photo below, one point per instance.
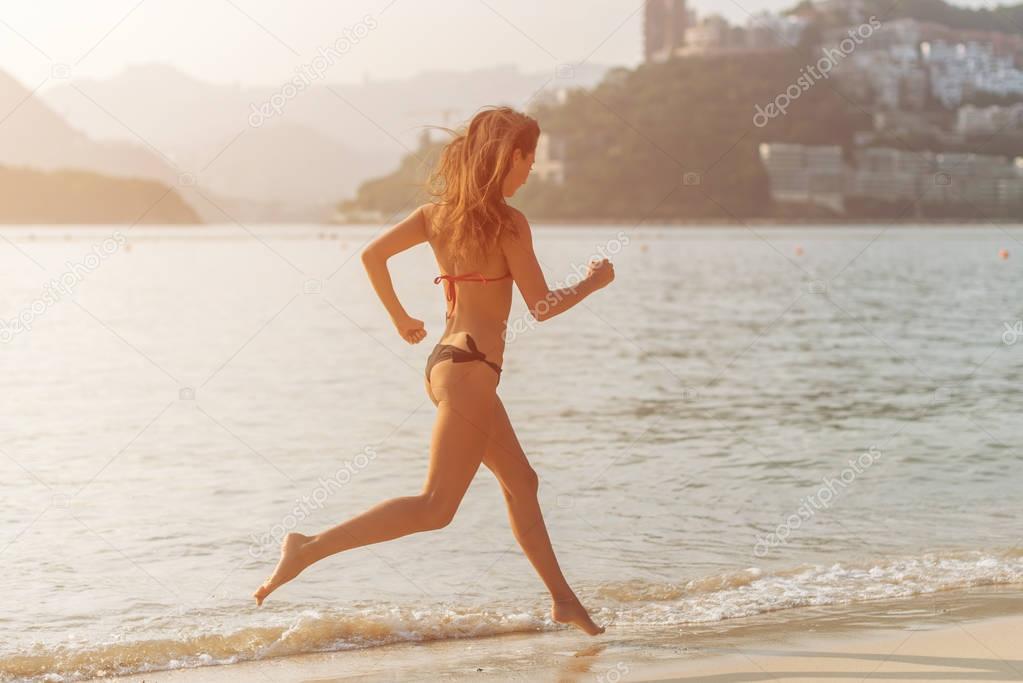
(977, 633)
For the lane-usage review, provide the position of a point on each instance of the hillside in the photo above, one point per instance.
(34, 135)
(676, 140)
(669, 140)
(38, 197)
(633, 139)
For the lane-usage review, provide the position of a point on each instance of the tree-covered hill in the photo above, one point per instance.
(677, 141)
(28, 196)
(672, 140)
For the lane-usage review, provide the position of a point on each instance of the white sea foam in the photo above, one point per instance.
(701, 600)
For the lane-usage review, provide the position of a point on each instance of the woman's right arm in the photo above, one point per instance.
(543, 302)
(405, 235)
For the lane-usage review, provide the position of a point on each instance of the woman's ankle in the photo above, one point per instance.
(311, 550)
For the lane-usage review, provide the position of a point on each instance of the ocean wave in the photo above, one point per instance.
(633, 603)
(754, 591)
(310, 632)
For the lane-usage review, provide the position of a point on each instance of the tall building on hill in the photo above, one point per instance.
(664, 28)
(550, 159)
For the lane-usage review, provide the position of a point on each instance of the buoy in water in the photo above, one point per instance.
(799, 250)
(1003, 254)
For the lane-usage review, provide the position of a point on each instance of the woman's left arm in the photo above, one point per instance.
(404, 235)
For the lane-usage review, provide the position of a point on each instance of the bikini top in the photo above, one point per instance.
(450, 280)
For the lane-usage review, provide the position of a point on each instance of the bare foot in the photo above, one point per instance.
(288, 567)
(571, 611)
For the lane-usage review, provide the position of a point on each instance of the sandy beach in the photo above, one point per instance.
(988, 650)
(959, 636)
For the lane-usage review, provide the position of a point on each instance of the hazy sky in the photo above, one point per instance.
(264, 41)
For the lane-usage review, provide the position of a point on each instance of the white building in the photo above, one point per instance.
(886, 66)
(766, 30)
(549, 162)
(886, 174)
(971, 120)
(804, 174)
(962, 69)
(818, 175)
(712, 34)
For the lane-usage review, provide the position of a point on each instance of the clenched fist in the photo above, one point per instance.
(601, 273)
(411, 330)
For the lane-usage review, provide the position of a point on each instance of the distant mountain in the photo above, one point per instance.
(174, 111)
(31, 196)
(267, 177)
(154, 123)
(163, 106)
(326, 141)
(31, 134)
(280, 162)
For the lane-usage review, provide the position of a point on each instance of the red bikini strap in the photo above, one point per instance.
(450, 280)
(470, 277)
(465, 277)
(449, 292)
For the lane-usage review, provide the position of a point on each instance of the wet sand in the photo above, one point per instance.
(989, 650)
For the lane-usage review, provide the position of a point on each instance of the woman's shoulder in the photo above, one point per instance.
(429, 213)
(519, 225)
(427, 210)
(515, 214)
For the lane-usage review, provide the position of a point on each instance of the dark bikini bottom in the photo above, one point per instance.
(458, 355)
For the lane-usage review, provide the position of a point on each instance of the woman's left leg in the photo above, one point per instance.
(506, 459)
(465, 396)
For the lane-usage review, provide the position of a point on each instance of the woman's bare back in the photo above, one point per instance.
(480, 308)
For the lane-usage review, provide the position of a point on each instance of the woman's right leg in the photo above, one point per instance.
(519, 481)
(465, 395)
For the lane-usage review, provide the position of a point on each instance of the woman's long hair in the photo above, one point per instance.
(472, 211)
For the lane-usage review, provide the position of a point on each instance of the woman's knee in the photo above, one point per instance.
(437, 510)
(525, 484)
